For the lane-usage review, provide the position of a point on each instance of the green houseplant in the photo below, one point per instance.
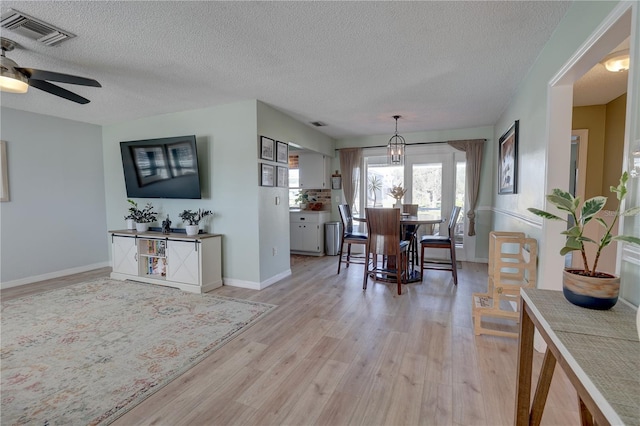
(588, 287)
(143, 217)
(193, 219)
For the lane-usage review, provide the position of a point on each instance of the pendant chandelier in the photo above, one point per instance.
(396, 147)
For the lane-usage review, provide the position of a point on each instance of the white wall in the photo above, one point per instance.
(227, 154)
(55, 223)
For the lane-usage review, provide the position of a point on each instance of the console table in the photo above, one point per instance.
(598, 350)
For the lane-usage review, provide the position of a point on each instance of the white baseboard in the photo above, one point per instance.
(256, 285)
(52, 275)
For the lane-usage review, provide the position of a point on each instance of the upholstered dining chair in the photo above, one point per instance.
(442, 242)
(349, 236)
(383, 226)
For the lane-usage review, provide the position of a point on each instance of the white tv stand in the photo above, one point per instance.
(190, 263)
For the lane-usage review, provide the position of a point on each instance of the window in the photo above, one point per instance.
(434, 176)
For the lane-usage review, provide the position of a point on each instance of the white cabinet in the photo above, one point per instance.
(125, 254)
(191, 263)
(314, 170)
(307, 232)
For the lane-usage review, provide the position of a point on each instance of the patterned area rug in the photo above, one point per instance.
(88, 353)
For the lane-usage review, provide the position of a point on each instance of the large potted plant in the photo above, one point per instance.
(193, 220)
(588, 287)
(143, 217)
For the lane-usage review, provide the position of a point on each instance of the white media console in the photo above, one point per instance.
(190, 263)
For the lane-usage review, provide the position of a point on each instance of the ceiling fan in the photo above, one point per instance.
(15, 79)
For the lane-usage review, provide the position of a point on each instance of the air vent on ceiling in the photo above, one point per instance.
(33, 28)
(318, 123)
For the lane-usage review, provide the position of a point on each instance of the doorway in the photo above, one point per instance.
(612, 32)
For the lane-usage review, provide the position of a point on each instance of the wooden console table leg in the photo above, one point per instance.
(542, 389)
(525, 363)
(586, 419)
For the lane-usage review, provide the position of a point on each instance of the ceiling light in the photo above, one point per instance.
(11, 80)
(617, 61)
(396, 147)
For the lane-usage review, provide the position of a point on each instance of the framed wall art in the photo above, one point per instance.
(4, 173)
(508, 161)
(267, 148)
(267, 174)
(283, 177)
(282, 152)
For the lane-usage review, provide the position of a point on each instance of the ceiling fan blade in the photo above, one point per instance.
(59, 77)
(58, 91)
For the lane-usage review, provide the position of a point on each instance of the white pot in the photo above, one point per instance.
(142, 227)
(192, 229)
(131, 224)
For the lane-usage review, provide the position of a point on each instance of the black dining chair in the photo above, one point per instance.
(442, 242)
(349, 237)
(410, 231)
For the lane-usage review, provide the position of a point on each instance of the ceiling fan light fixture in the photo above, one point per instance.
(12, 81)
(617, 61)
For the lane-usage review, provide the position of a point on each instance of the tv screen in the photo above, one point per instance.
(161, 168)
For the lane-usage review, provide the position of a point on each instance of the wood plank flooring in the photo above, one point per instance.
(333, 354)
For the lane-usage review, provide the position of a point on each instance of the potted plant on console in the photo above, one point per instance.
(143, 217)
(193, 219)
(130, 219)
(588, 287)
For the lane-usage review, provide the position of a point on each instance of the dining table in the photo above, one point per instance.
(414, 274)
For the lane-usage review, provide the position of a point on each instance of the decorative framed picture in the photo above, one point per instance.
(4, 173)
(283, 177)
(282, 152)
(508, 161)
(267, 148)
(267, 174)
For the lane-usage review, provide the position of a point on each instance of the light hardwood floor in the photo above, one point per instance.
(333, 354)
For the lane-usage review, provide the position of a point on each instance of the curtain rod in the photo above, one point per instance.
(408, 144)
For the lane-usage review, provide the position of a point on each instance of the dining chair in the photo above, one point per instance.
(442, 242)
(349, 236)
(410, 231)
(383, 227)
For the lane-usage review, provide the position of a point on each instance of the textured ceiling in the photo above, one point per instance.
(352, 65)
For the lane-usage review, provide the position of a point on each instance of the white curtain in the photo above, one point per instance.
(350, 160)
(473, 151)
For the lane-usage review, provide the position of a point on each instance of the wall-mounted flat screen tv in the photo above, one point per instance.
(161, 168)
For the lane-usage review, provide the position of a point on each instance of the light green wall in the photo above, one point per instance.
(54, 223)
(274, 219)
(483, 209)
(529, 105)
(227, 153)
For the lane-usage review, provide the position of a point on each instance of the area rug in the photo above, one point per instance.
(88, 353)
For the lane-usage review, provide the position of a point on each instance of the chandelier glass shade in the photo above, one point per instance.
(396, 147)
